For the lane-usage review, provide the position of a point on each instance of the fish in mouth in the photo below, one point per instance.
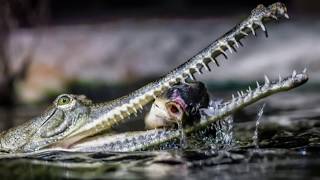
(75, 123)
(179, 104)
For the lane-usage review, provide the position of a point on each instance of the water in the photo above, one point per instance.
(183, 138)
(255, 137)
(223, 129)
(289, 148)
(224, 132)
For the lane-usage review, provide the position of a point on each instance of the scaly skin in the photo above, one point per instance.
(145, 139)
(135, 141)
(48, 128)
(104, 116)
(64, 125)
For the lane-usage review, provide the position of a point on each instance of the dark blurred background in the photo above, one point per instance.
(107, 48)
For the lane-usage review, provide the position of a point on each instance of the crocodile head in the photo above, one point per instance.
(69, 113)
(73, 121)
(66, 114)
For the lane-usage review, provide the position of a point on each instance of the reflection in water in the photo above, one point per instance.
(289, 146)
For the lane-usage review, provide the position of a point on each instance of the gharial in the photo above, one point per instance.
(75, 123)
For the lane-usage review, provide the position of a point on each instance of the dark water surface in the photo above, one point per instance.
(288, 148)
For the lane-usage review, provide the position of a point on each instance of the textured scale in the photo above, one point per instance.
(102, 117)
(112, 111)
(147, 139)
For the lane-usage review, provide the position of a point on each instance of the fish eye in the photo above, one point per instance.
(63, 100)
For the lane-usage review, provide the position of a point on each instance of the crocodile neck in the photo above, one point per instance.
(107, 115)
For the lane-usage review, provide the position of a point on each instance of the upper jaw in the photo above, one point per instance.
(123, 142)
(117, 111)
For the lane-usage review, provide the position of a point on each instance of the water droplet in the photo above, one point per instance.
(255, 137)
(224, 132)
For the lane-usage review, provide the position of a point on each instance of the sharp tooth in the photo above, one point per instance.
(239, 94)
(113, 119)
(191, 76)
(198, 71)
(266, 34)
(240, 43)
(233, 48)
(183, 80)
(228, 46)
(273, 16)
(135, 110)
(235, 42)
(258, 85)
(233, 98)
(215, 61)
(304, 71)
(263, 28)
(140, 106)
(250, 90)
(223, 53)
(266, 80)
(280, 79)
(242, 93)
(286, 15)
(244, 33)
(127, 112)
(252, 30)
(294, 73)
(206, 66)
(225, 106)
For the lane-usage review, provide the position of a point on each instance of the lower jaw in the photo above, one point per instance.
(132, 141)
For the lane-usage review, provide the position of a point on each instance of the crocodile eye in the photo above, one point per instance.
(64, 100)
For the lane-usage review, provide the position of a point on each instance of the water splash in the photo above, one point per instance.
(255, 137)
(212, 109)
(183, 138)
(224, 132)
(224, 128)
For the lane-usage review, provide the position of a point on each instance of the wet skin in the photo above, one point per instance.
(67, 114)
(75, 123)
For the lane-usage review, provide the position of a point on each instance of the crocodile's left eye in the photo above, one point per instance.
(63, 100)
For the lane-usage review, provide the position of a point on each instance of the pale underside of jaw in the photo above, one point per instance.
(133, 141)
